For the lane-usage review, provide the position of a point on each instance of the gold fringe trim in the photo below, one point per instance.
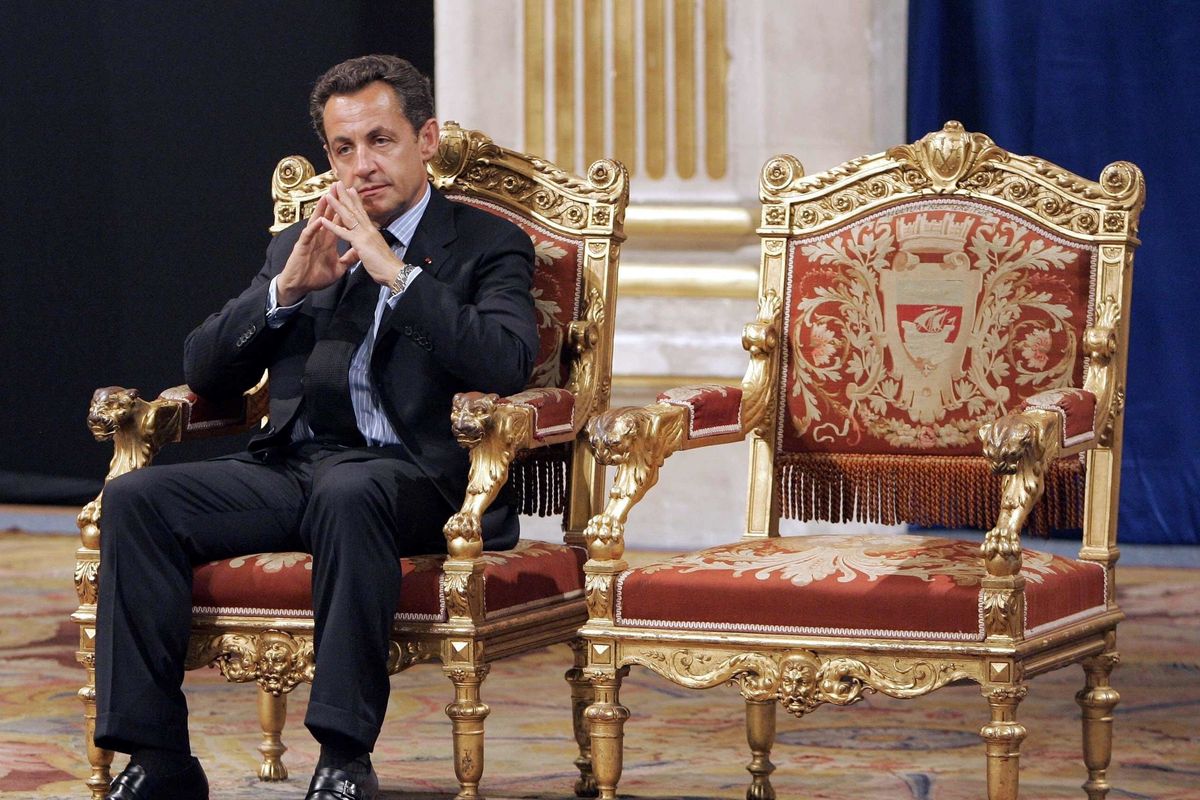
(539, 480)
(931, 491)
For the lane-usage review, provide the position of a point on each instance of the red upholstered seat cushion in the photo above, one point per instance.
(280, 584)
(888, 586)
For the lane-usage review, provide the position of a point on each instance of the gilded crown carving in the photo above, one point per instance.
(949, 161)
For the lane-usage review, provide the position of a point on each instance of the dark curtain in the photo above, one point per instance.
(1084, 84)
(139, 140)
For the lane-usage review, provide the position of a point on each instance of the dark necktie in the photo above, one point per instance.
(328, 408)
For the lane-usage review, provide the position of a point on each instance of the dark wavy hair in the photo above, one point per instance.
(411, 87)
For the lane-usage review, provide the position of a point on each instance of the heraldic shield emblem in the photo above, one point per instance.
(929, 300)
(909, 329)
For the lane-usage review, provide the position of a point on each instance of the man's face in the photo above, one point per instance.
(374, 150)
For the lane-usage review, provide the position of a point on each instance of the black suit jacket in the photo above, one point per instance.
(466, 323)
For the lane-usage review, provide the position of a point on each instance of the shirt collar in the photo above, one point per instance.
(403, 226)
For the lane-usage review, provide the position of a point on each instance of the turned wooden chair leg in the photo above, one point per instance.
(760, 733)
(582, 696)
(1097, 700)
(606, 724)
(1003, 736)
(467, 714)
(99, 759)
(272, 715)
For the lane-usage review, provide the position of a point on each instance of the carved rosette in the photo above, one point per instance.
(276, 660)
(470, 161)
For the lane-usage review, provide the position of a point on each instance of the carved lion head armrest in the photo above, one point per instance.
(1021, 445)
(638, 440)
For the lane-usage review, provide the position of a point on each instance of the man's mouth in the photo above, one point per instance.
(367, 191)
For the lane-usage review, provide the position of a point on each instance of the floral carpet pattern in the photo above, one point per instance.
(679, 743)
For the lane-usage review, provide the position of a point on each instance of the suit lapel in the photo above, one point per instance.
(429, 248)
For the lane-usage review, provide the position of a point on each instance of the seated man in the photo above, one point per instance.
(370, 316)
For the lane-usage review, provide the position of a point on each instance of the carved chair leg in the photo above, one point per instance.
(272, 715)
(99, 758)
(1097, 700)
(760, 733)
(606, 723)
(582, 695)
(1003, 736)
(467, 713)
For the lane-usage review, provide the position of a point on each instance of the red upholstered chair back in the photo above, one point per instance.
(918, 306)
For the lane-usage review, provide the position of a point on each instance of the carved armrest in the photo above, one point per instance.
(1021, 446)
(638, 440)
(139, 428)
(714, 413)
(495, 429)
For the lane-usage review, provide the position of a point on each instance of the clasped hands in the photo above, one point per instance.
(314, 262)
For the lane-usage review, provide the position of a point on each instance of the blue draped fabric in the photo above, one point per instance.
(1084, 84)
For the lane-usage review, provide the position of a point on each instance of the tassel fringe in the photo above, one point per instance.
(933, 491)
(539, 480)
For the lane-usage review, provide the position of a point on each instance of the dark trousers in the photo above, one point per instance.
(356, 511)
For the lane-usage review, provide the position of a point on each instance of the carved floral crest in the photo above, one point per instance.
(807, 559)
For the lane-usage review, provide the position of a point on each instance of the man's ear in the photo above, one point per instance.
(428, 138)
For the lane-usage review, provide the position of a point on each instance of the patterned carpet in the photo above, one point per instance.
(680, 744)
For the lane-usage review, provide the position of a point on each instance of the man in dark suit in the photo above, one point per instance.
(370, 317)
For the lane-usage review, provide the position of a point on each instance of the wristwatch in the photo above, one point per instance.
(401, 280)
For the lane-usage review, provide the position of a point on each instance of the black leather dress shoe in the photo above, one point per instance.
(330, 783)
(135, 783)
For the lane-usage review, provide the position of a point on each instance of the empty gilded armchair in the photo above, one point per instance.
(252, 616)
(941, 340)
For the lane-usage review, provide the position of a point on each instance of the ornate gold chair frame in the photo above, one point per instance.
(801, 672)
(555, 472)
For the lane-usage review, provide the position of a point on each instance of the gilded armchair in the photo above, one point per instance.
(252, 615)
(941, 340)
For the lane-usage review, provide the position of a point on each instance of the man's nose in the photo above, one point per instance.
(364, 165)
